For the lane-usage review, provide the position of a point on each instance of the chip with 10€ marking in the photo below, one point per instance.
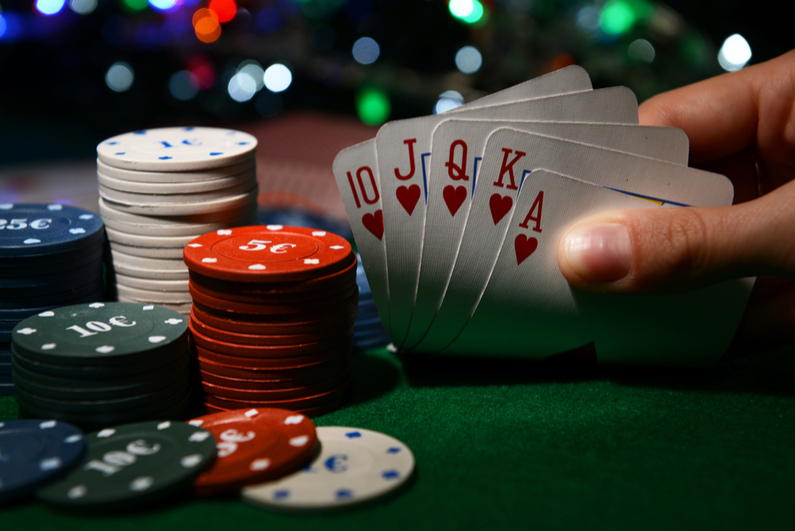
(133, 464)
(99, 332)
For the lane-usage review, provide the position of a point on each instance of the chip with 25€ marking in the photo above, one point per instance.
(133, 464)
(35, 452)
(34, 229)
(98, 333)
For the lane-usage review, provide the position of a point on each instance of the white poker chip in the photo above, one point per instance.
(354, 465)
(184, 208)
(122, 268)
(107, 211)
(174, 176)
(139, 240)
(172, 149)
(140, 262)
(160, 253)
(152, 284)
(165, 188)
(146, 199)
(158, 297)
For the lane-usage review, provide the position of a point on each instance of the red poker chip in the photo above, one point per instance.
(254, 445)
(293, 393)
(267, 253)
(311, 412)
(268, 351)
(253, 384)
(341, 315)
(298, 375)
(338, 352)
(305, 298)
(296, 289)
(269, 340)
(256, 308)
(292, 404)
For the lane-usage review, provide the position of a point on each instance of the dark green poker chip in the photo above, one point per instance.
(130, 465)
(100, 333)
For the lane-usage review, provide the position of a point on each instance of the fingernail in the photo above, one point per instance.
(598, 253)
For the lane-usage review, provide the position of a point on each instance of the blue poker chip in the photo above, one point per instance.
(361, 279)
(6, 378)
(55, 282)
(22, 313)
(5, 336)
(5, 368)
(35, 452)
(32, 229)
(60, 298)
(44, 265)
(6, 389)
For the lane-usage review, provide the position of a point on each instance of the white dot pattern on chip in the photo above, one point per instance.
(299, 441)
(52, 463)
(209, 260)
(260, 464)
(311, 261)
(49, 346)
(190, 461)
(318, 233)
(26, 331)
(274, 227)
(105, 349)
(31, 241)
(257, 267)
(142, 483)
(78, 491)
(47, 314)
(195, 245)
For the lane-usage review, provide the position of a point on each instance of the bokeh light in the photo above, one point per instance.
(224, 9)
(183, 85)
(49, 7)
(83, 7)
(277, 77)
(642, 50)
(242, 87)
(202, 70)
(206, 25)
(366, 51)
(268, 20)
(448, 100)
(119, 77)
(588, 19)
(461, 8)
(3, 25)
(735, 53)
(163, 5)
(254, 70)
(468, 60)
(372, 106)
(134, 5)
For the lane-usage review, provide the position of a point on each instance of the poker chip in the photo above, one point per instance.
(50, 255)
(101, 363)
(354, 466)
(254, 445)
(273, 317)
(36, 452)
(132, 464)
(173, 149)
(160, 189)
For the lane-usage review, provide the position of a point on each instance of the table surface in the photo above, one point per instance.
(518, 444)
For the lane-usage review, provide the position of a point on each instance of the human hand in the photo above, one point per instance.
(742, 125)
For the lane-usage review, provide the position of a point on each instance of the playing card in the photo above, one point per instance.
(529, 310)
(356, 172)
(459, 146)
(403, 149)
(510, 155)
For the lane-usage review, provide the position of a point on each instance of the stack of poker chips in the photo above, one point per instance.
(102, 364)
(369, 331)
(272, 319)
(50, 255)
(161, 188)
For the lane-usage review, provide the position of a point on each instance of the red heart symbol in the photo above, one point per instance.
(408, 197)
(524, 247)
(374, 223)
(499, 206)
(454, 197)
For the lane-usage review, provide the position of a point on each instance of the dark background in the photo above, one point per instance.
(54, 103)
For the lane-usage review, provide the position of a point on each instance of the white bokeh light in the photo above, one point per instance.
(735, 53)
(255, 70)
(242, 87)
(461, 8)
(641, 49)
(277, 77)
(49, 7)
(468, 60)
(83, 7)
(366, 51)
(183, 85)
(119, 77)
(449, 99)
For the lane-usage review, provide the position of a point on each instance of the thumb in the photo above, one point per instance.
(674, 249)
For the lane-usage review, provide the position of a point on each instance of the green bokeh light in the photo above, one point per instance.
(134, 5)
(619, 16)
(476, 14)
(372, 105)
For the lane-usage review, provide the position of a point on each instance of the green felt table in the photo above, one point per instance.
(520, 445)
